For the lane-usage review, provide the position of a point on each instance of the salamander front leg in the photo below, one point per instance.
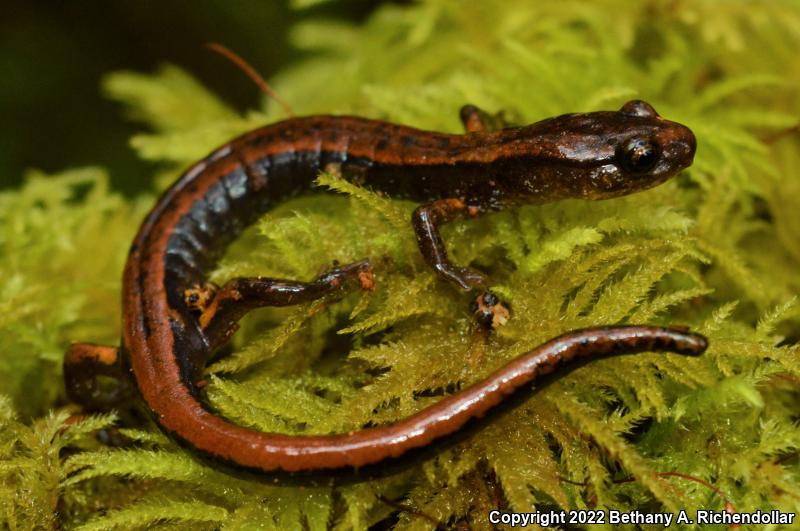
(220, 309)
(426, 219)
(94, 376)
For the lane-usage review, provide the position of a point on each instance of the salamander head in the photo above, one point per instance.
(658, 149)
(647, 150)
(605, 154)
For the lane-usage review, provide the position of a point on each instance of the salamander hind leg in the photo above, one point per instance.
(94, 376)
(476, 120)
(225, 306)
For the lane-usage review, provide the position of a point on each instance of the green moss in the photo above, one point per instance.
(717, 248)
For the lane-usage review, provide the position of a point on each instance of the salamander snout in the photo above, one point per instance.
(691, 144)
(679, 145)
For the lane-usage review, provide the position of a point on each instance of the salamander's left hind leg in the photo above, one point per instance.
(95, 378)
(476, 120)
(221, 308)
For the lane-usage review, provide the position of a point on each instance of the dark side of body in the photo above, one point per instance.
(174, 320)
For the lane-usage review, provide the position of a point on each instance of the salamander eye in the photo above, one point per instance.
(639, 155)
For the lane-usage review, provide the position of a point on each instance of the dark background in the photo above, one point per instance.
(53, 55)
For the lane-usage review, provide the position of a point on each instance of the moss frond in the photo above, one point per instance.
(32, 475)
(162, 510)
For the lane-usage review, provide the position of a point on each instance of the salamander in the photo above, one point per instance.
(174, 320)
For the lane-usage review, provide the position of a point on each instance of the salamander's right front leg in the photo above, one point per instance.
(486, 307)
(426, 219)
(220, 309)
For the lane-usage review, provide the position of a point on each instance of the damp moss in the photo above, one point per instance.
(717, 248)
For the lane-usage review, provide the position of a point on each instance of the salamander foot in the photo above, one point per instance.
(489, 310)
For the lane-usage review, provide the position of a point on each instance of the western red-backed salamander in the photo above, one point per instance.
(174, 320)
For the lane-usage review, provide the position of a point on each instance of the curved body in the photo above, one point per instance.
(166, 344)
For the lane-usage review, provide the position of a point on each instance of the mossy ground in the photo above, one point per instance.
(717, 248)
